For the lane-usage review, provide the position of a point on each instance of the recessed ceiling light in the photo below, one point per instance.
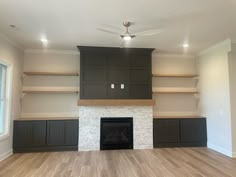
(185, 45)
(44, 40)
(12, 26)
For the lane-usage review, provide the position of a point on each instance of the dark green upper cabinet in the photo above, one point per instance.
(115, 73)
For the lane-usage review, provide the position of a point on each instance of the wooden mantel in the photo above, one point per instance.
(116, 102)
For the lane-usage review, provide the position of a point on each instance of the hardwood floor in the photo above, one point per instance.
(174, 162)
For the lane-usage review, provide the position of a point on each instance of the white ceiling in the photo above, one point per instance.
(68, 23)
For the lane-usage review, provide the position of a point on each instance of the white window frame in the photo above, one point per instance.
(7, 108)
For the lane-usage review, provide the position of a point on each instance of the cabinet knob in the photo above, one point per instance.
(122, 86)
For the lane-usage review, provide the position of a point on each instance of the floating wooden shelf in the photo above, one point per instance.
(175, 90)
(50, 90)
(174, 75)
(52, 73)
(116, 102)
(177, 117)
(48, 118)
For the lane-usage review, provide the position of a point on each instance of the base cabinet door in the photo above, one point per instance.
(56, 132)
(193, 131)
(166, 132)
(62, 132)
(29, 133)
(45, 135)
(71, 132)
(179, 132)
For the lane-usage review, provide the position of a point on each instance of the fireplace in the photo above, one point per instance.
(116, 133)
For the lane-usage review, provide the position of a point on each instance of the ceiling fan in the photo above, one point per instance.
(127, 35)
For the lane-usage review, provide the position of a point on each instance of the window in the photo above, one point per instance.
(3, 100)
(5, 97)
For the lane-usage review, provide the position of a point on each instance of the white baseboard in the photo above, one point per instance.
(234, 154)
(221, 150)
(6, 154)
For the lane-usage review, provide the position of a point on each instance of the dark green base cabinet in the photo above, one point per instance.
(45, 135)
(185, 132)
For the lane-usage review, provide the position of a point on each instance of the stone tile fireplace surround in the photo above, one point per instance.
(89, 125)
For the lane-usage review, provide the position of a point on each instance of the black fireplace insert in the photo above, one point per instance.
(116, 133)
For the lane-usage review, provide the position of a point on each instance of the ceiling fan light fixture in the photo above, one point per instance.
(126, 38)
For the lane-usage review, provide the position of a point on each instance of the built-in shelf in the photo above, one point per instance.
(175, 75)
(177, 117)
(48, 118)
(50, 90)
(51, 73)
(116, 102)
(175, 90)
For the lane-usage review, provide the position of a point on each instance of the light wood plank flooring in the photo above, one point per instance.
(167, 162)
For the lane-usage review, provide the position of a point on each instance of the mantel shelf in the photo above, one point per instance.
(175, 75)
(51, 73)
(116, 102)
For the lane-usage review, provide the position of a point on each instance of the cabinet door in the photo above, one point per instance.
(140, 91)
(140, 61)
(71, 132)
(29, 133)
(55, 132)
(166, 131)
(62, 132)
(118, 75)
(193, 130)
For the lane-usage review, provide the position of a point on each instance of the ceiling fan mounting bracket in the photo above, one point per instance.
(127, 24)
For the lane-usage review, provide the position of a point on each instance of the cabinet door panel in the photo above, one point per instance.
(166, 131)
(139, 75)
(56, 133)
(118, 60)
(93, 91)
(93, 74)
(95, 59)
(140, 61)
(71, 132)
(140, 91)
(29, 133)
(193, 130)
(23, 134)
(39, 133)
(118, 75)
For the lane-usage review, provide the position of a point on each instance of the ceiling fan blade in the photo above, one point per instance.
(111, 27)
(149, 32)
(108, 31)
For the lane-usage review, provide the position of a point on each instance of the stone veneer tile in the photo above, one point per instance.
(89, 125)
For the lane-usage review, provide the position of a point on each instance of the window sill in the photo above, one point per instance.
(4, 137)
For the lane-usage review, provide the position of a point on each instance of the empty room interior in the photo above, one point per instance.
(118, 88)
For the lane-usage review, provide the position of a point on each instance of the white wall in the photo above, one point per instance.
(50, 104)
(215, 96)
(232, 80)
(174, 104)
(13, 54)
